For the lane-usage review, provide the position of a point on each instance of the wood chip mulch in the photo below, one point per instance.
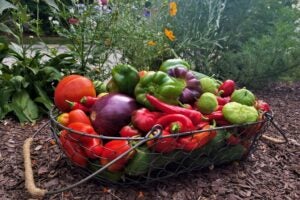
(271, 172)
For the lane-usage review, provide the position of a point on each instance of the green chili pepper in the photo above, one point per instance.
(160, 85)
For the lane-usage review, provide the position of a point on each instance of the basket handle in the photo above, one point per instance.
(155, 132)
(29, 180)
(282, 140)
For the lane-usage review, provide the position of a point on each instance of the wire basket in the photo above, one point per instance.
(142, 163)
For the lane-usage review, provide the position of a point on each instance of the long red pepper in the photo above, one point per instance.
(186, 123)
(194, 115)
(77, 105)
(88, 101)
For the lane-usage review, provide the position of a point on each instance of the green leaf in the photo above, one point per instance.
(52, 4)
(17, 82)
(43, 97)
(24, 108)
(6, 5)
(6, 29)
(50, 73)
(4, 110)
(17, 49)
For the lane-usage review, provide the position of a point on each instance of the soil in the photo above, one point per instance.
(271, 172)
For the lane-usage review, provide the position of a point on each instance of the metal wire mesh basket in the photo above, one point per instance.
(143, 164)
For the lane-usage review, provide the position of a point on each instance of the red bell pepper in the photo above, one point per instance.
(227, 88)
(164, 144)
(182, 123)
(73, 150)
(144, 120)
(129, 131)
(112, 150)
(92, 145)
(205, 136)
(188, 143)
(79, 115)
(194, 115)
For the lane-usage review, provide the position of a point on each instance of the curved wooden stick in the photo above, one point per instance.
(29, 180)
(273, 139)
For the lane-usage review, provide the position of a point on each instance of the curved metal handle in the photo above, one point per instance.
(270, 118)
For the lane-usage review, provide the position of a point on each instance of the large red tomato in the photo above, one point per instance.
(72, 88)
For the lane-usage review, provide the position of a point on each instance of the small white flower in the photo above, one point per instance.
(55, 22)
(50, 18)
(30, 36)
(72, 10)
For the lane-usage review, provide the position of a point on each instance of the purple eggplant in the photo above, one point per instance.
(192, 88)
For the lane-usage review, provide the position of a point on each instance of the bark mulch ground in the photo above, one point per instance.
(272, 172)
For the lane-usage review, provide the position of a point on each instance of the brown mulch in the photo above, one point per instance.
(272, 172)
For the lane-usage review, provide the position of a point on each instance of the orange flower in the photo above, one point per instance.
(151, 43)
(172, 8)
(169, 34)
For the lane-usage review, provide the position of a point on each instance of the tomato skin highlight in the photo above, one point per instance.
(72, 88)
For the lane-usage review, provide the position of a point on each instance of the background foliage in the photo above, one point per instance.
(253, 42)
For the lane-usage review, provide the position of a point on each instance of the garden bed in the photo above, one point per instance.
(272, 172)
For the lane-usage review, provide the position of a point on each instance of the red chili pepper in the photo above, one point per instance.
(216, 115)
(194, 115)
(163, 145)
(201, 125)
(73, 150)
(88, 101)
(77, 105)
(223, 100)
(227, 88)
(144, 120)
(182, 122)
(91, 145)
(128, 131)
(112, 150)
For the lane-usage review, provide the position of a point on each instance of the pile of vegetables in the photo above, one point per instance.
(188, 105)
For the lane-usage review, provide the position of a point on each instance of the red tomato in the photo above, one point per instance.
(72, 88)
(78, 115)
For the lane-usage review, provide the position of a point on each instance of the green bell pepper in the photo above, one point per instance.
(160, 85)
(124, 78)
(140, 163)
(171, 63)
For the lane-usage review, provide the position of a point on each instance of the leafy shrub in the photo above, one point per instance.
(263, 46)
